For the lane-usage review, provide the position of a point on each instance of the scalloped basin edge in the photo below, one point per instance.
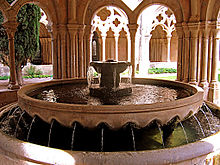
(13, 151)
(114, 115)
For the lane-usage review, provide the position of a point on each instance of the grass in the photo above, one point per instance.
(38, 76)
(27, 77)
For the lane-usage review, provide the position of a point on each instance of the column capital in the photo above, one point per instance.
(133, 26)
(76, 27)
(206, 33)
(133, 29)
(194, 29)
(179, 31)
(185, 30)
(10, 28)
(194, 33)
(216, 33)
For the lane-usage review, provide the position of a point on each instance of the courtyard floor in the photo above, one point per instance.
(4, 83)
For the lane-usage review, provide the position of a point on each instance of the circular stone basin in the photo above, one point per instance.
(115, 116)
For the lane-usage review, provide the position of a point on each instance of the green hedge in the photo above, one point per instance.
(4, 77)
(161, 70)
(37, 76)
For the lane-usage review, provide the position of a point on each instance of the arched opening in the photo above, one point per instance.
(95, 47)
(110, 34)
(44, 57)
(156, 39)
(29, 48)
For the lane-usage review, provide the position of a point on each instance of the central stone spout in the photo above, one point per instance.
(110, 72)
(109, 89)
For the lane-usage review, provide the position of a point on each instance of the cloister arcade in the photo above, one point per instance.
(194, 44)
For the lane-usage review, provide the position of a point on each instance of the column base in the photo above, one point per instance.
(186, 80)
(192, 82)
(13, 86)
(204, 84)
(214, 93)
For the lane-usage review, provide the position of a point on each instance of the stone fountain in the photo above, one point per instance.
(61, 116)
(116, 116)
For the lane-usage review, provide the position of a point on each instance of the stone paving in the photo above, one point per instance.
(4, 83)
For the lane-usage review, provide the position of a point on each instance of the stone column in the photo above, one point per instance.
(87, 52)
(144, 59)
(11, 28)
(128, 48)
(133, 29)
(72, 53)
(73, 45)
(168, 47)
(90, 47)
(103, 46)
(204, 61)
(63, 54)
(116, 46)
(186, 54)
(199, 56)
(193, 53)
(53, 33)
(180, 61)
(81, 56)
(210, 57)
(214, 91)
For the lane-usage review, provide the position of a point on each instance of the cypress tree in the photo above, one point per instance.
(26, 38)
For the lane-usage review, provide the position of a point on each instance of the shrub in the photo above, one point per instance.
(161, 70)
(38, 76)
(32, 70)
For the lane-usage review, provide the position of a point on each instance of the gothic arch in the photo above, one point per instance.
(95, 5)
(173, 5)
(48, 8)
(110, 21)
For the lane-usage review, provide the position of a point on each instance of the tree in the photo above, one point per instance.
(26, 38)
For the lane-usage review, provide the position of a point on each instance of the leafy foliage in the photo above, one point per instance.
(26, 36)
(1, 17)
(38, 76)
(3, 46)
(32, 70)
